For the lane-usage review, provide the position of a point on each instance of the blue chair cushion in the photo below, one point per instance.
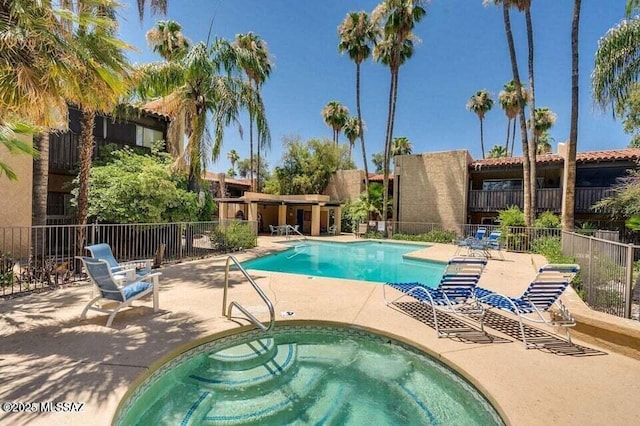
(134, 289)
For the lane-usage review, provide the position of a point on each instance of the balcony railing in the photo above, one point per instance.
(548, 199)
(63, 149)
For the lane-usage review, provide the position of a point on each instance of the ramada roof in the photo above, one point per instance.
(626, 154)
(229, 181)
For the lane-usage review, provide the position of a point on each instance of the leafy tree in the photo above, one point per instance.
(397, 19)
(254, 60)
(625, 202)
(401, 146)
(547, 219)
(352, 131)
(244, 168)
(335, 116)
(480, 103)
(167, 40)
(134, 188)
(195, 88)
(308, 166)
(497, 151)
(357, 35)
(378, 161)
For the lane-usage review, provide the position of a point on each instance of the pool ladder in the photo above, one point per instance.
(227, 311)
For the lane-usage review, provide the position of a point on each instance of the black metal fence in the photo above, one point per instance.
(39, 257)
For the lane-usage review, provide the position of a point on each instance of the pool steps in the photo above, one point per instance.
(259, 382)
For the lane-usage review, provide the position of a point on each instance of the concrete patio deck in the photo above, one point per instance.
(49, 354)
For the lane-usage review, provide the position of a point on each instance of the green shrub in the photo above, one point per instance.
(234, 237)
(551, 248)
(433, 236)
(547, 220)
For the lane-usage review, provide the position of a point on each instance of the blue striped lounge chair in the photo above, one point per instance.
(135, 269)
(454, 293)
(99, 272)
(538, 299)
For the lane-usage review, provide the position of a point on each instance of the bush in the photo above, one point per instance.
(434, 236)
(547, 220)
(551, 248)
(234, 237)
(6, 270)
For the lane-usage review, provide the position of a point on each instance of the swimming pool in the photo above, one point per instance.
(366, 261)
(305, 374)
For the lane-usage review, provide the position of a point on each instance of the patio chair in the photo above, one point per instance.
(539, 298)
(274, 230)
(483, 247)
(135, 269)
(468, 241)
(331, 230)
(99, 272)
(453, 295)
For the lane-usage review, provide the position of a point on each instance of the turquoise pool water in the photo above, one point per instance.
(365, 261)
(305, 375)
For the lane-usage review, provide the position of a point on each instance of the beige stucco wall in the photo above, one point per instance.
(16, 207)
(432, 188)
(345, 185)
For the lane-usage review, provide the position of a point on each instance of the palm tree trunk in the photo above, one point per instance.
(533, 143)
(482, 139)
(513, 136)
(364, 151)
(523, 121)
(569, 178)
(506, 148)
(251, 150)
(387, 148)
(86, 154)
(40, 187)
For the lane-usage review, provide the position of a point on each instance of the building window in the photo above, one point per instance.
(147, 137)
(501, 184)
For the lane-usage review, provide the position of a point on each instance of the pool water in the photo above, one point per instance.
(365, 261)
(305, 374)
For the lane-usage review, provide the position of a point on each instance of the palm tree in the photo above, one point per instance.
(254, 61)
(233, 156)
(167, 40)
(526, 163)
(497, 151)
(508, 100)
(352, 131)
(157, 6)
(335, 116)
(544, 143)
(357, 36)
(397, 19)
(401, 146)
(480, 103)
(569, 175)
(193, 86)
(629, 8)
(544, 120)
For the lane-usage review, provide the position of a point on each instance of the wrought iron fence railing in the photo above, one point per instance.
(606, 270)
(38, 257)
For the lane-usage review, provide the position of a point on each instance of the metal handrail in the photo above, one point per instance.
(256, 287)
(295, 231)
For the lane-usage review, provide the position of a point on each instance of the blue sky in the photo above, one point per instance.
(463, 49)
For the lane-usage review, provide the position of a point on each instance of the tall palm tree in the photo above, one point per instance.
(233, 157)
(254, 61)
(544, 120)
(194, 86)
(526, 163)
(509, 102)
(480, 103)
(401, 146)
(167, 40)
(335, 116)
(569, 175)
(397, 19)
(352, 131)
(629, 8)
(357, 36)
(544, 143)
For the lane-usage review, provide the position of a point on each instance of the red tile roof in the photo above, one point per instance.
(379, 177)
(626, 154)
